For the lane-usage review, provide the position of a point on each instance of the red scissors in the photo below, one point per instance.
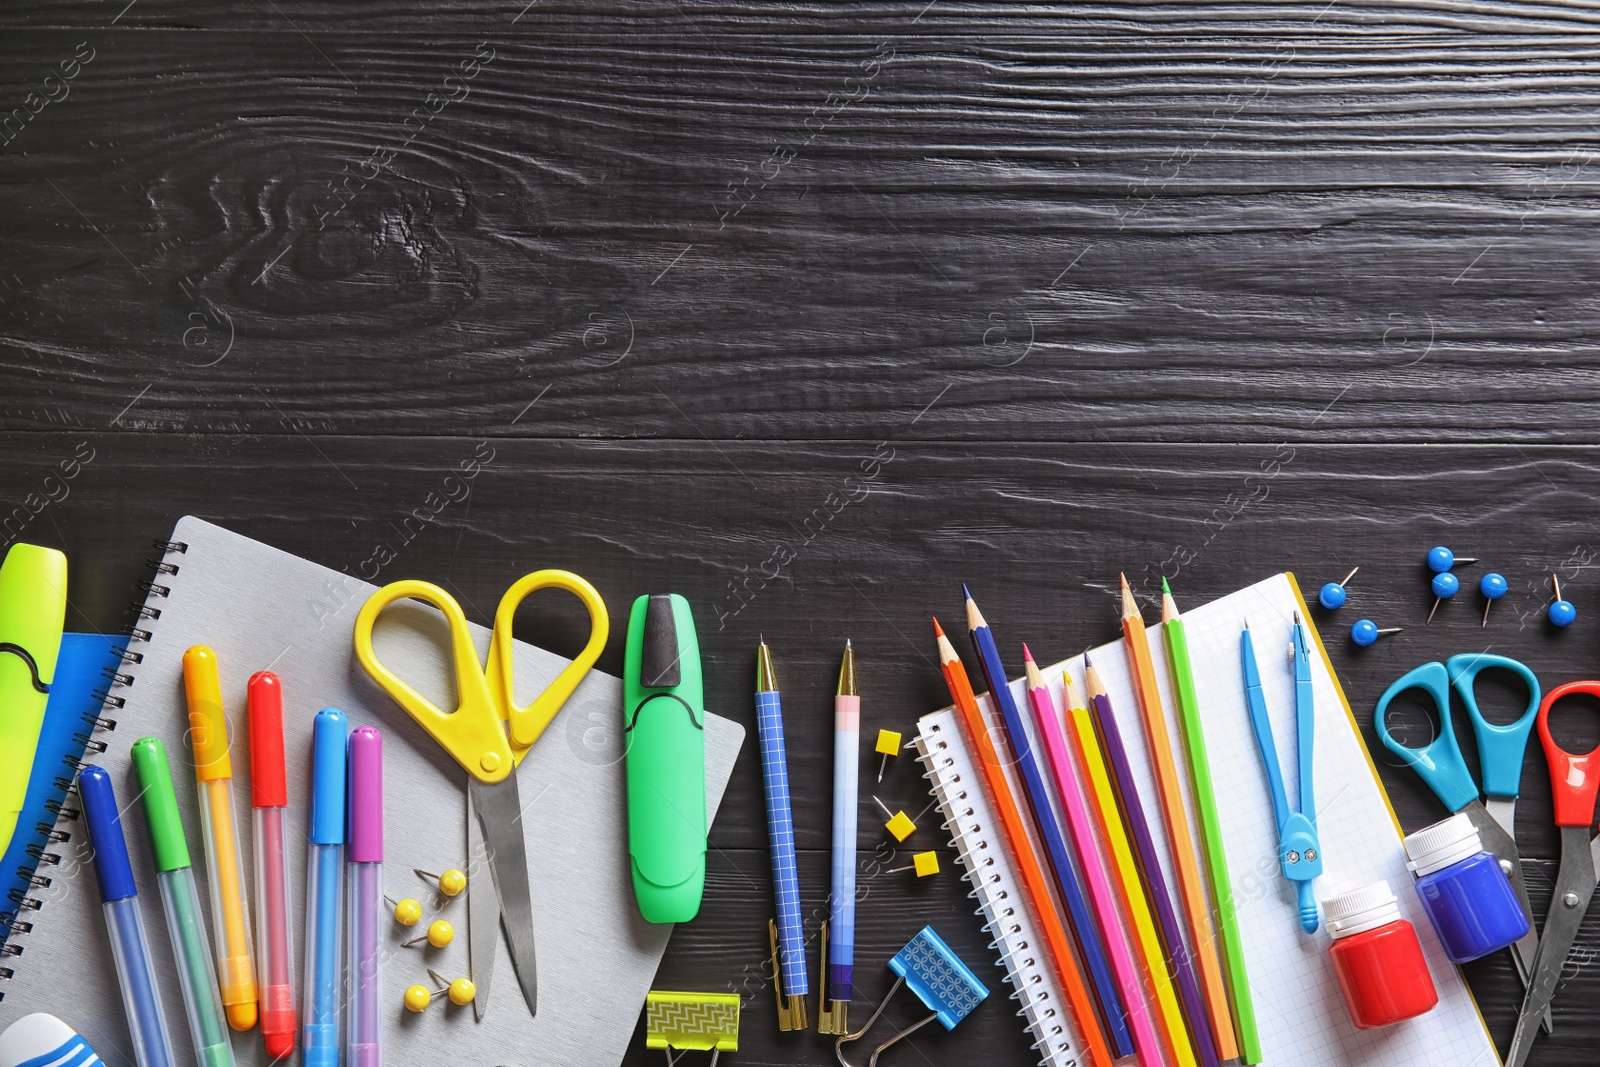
(1574, 781)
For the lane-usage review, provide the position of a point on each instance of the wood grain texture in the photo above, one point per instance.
(790, 307)
(771, 216)
(1041, 531)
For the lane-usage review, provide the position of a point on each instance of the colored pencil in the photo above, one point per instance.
(1080, 1004)
(1135, 904)
(1155, 880)
(1205, 802)
(1191, 887)
(1146, 1044)
(1044, 819)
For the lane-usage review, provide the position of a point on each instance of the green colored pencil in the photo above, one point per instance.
(1244, 1011)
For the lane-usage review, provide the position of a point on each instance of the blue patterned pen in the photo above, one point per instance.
(787, 934)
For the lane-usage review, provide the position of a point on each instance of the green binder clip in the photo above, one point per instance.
(694, 1021)
(664, 722)
(33, 612)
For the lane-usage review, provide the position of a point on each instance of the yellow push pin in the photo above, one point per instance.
(440, 934)
(450, 883)
(924, 863)
(899, 824)
(407, 912)
(888, 745)
(461, 992)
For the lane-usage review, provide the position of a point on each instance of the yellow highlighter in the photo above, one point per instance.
(1109, 817)
(213, 773)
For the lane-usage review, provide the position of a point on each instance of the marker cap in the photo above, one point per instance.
(366, 796)
(330, 740)
(167, 842)
(111, 864)
(269, 785)
(208, 723)
(33, 605)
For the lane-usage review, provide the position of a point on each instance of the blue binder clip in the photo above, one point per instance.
(940, 980)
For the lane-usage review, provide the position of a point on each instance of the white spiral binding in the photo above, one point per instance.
(13, 928)
(997, 898)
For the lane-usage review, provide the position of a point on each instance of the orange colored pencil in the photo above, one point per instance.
(1079, 1002)
(1191, 888)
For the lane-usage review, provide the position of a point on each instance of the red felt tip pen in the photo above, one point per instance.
(269, 794)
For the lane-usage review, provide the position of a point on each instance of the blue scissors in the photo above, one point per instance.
(1500, 751)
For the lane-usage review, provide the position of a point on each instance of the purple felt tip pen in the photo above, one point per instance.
(364, 892)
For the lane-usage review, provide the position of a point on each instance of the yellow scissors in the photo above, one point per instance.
(476, 735)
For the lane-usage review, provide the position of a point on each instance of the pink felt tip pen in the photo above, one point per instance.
(364, 895)
(269, 796)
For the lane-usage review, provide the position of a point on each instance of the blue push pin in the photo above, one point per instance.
(1441, 559)
(1561, 612)
(1493, 586)
(1445, 586)
(1365, 632)
(1332, 595)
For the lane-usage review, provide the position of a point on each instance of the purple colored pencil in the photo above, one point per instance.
(1167, 926)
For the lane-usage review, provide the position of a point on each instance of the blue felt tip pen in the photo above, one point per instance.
(330, 734)
(141, 996)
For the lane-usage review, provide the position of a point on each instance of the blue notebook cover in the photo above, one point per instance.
(76, 697)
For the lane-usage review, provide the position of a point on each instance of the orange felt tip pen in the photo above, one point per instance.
(213, 773)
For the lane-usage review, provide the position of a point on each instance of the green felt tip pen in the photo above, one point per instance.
(202, 1001)
(664, 720)
(33, 609)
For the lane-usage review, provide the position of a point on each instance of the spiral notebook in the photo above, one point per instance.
(260, 608)
(1300, 1011)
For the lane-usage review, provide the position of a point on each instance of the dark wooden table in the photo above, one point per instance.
(895, 295)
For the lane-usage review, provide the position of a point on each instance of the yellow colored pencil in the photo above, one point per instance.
(1191, 887)
(1134, 904)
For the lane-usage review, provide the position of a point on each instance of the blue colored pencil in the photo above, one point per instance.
(1090, 944)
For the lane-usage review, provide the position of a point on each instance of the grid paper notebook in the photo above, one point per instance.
(260, 608)
(1300, 1012)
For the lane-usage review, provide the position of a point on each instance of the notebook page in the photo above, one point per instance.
(1300, 1012)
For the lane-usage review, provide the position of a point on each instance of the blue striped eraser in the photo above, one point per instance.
(41, 1040)
(937, 977)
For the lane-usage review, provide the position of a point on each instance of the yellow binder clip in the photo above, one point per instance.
(692, 1021)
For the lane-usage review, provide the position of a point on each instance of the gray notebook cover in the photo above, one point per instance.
(260, 609)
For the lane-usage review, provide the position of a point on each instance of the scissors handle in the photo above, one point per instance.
(472, 733)
(528, 723)
(1439, 763)
(1574, 780)
(1500, 748)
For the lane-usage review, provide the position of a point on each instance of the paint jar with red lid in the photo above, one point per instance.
(1377, 958)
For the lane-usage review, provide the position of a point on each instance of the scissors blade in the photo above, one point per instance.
(499, 809)
(1574, 886)
(483, 912)
(1503, 810)
(1498, 843)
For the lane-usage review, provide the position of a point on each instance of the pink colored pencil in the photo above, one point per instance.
(1101, 896)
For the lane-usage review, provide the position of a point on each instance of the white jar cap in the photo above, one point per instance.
(1358, 910)
(1438, 846)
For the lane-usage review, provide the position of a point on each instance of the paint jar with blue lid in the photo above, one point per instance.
(1467, 896)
